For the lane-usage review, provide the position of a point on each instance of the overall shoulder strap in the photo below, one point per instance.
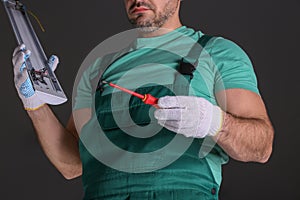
(187, 66)
(204, 40)
(196, 50)
(189, 63)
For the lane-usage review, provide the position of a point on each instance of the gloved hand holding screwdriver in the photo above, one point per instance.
(189, 115)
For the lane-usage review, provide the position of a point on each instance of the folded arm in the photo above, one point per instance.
(247, 133)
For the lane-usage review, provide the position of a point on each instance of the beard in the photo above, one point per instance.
(152, 24)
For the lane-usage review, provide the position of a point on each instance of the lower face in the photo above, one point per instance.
(150, 15)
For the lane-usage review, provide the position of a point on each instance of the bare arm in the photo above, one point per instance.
(60, 144)
(247, 133)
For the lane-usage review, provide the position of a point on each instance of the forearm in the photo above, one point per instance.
(246, 139)
(58, 143)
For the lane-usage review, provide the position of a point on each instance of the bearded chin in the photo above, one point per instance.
(148, 26)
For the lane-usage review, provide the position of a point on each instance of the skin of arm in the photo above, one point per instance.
(60, 144)
(247, 133)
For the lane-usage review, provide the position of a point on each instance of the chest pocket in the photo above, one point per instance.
(131, 124)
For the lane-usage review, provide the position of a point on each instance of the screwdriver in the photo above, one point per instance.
(146, 98)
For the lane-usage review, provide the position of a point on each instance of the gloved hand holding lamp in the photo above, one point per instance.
(30, 99)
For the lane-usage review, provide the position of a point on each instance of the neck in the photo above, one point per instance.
(158, 32)
(166, 28)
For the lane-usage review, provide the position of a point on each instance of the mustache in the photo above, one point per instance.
(139, 4)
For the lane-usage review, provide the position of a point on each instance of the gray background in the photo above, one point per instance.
(267, 30)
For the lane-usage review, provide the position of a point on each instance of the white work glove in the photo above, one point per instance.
(30, 99)
(190, 116)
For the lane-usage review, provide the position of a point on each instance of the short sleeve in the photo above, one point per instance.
(233, 66)
(84, 91)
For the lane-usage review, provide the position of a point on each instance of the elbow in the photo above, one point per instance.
(261, 154)
(264, 158)
(69, 178)
(266, 152)
(71, 173)
(259, 157)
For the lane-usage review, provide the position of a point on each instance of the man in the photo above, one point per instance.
(215, 102)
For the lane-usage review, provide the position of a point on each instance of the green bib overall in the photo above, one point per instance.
(186, 177)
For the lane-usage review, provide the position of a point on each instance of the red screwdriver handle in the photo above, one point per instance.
(151, 100)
